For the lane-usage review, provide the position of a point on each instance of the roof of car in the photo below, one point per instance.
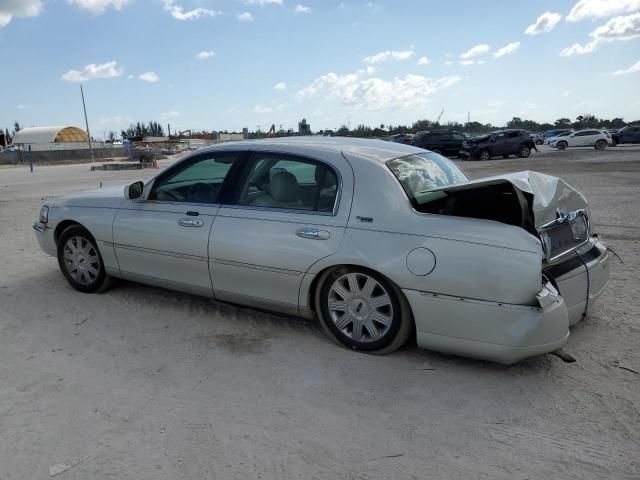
(371, 149)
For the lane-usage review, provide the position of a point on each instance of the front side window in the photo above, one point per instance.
(421, 174)
(199, 181)
(289, 183)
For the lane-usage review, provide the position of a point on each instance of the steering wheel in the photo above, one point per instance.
(202, 192)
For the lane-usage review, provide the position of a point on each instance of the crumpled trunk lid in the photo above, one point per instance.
(546, 206)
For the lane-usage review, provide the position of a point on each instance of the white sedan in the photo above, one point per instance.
(598, 139)
(377, 240)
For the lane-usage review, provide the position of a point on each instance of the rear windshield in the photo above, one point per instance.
(421, 173)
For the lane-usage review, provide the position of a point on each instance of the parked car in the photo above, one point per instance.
(582, 138)
(628, 134)
(501, 143)
(378, 240)
(553, 133)
(537, 138)
(563, 134)
(445, 142)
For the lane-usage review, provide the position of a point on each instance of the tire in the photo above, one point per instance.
(539, 142)
(561, 145)
(484, 155)
(525, 151)
(345, 292)
(78, 252)
(600, 145)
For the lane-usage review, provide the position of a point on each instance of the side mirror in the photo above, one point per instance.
(133, 191)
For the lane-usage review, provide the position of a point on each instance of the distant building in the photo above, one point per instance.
(245, 133)
(52, 138)
(304, 128)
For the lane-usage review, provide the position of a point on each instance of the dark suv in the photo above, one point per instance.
(628, 134)
(501, 143)
(444, 142)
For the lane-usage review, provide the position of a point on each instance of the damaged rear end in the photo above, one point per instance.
(575, 261)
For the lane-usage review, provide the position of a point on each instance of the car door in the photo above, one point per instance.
(163, 238)
(289, 212)
(514, 139)
(575, 139)
(499, 144)
(634, 135)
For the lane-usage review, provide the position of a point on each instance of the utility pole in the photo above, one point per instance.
(87, 124)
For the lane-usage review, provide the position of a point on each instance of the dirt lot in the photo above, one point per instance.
(141, 383)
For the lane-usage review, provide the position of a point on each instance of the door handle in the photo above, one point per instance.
(313, 233)
(190, 222)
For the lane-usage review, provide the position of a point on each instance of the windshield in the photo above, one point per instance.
(420, 174)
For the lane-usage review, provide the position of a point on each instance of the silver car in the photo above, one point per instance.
(379, 241)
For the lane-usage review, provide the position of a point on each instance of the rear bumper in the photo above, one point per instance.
(574, 280)
(44, 235)
(492, 331)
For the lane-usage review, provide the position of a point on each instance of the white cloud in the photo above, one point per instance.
(302, 9)
(177, 11)
(448, 63)
(269, 109)
(102, 70)
(601, 9)
(18, 8)
(245, 17)
(389, 55)
(496, 103)
(263, 2)
(423, 61)
(204, 55)
(150, 77)
(98, 7)
(508, 49)
(169, 115)
(617, 29)
(21, 106)
(376, 93)
(545, 23)
(632, 69)
(130, 76)
(566, 93)
(280, 86)
(466, 63)
(476, 51)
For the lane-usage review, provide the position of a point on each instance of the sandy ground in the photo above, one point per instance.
(142, 383)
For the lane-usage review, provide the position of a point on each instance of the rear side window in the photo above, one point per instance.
(513, 134)
(289, 183)
(422, 173)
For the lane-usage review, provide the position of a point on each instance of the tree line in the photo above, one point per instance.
(581, 122)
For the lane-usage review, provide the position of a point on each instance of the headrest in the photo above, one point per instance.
(284, 187)
(329, 177)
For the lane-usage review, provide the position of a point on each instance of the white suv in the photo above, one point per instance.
(598, 139)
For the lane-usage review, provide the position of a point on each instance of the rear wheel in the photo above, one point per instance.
(539, 142)
(600, 145)
(81, 262)
(561, 146)
(484, 155)
(525, 151)
(362, 310)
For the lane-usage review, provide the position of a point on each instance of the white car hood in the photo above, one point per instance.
(110, 197)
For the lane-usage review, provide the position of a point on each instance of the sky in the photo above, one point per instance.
(229, 64)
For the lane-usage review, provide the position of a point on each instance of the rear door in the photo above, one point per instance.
(164, 238)
(289, 211)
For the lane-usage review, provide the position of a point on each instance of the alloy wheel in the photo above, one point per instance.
(360, 307)
(81, 260)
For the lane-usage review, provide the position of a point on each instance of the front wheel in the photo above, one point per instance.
(561, 146)
(362, 310)
(539, 142)
(600, 145)
(484, 155)
(81, 262)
